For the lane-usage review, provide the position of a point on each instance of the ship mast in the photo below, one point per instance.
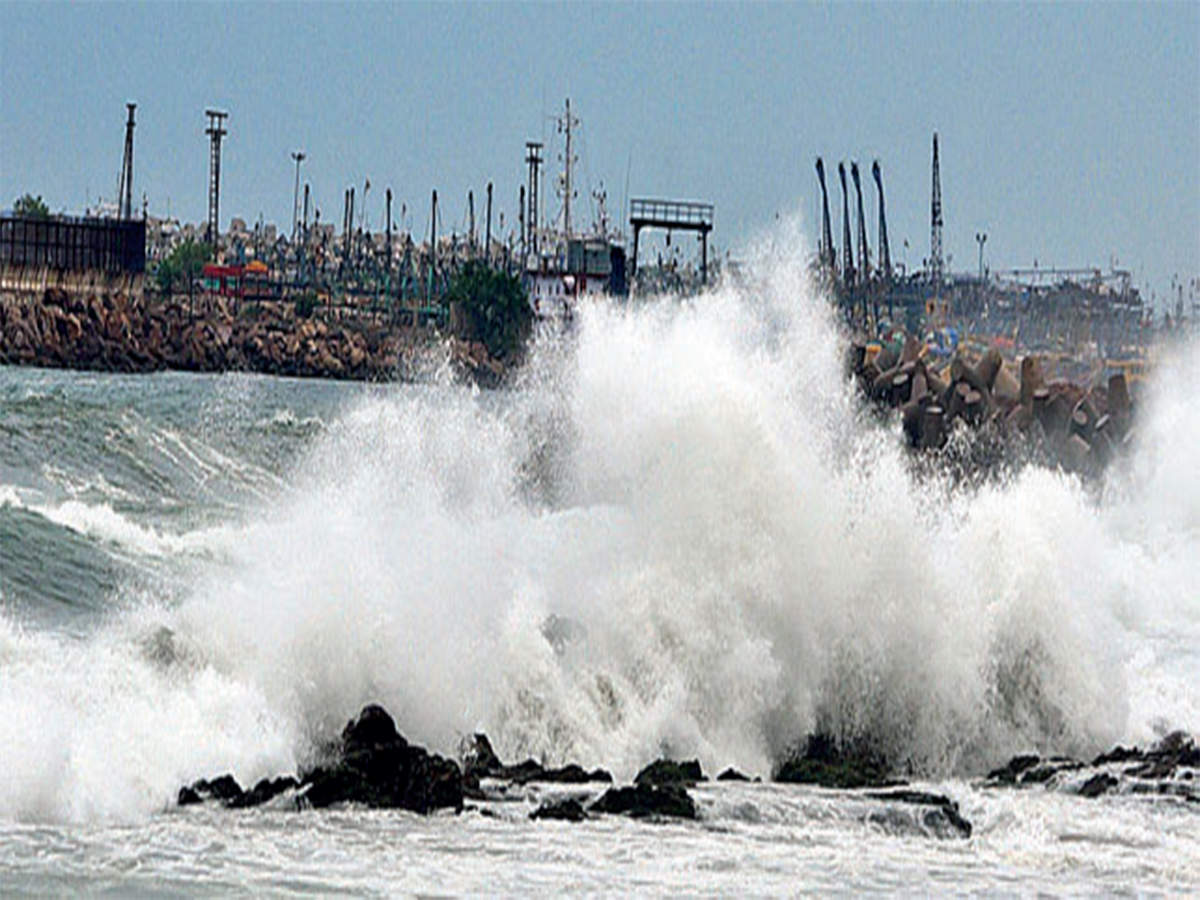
(566, 124)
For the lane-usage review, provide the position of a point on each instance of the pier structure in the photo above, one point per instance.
(673, 215)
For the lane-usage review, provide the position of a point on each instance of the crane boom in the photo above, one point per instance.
(847, 249)
(827, 256)
(864, 251)
(885, 255)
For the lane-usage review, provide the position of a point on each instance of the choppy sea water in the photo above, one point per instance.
(202, 574)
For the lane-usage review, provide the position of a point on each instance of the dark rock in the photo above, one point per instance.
(225, 789)
(666, 771)
(824, 763)
(479, 758)
(732, 774)
(266, 789)
(1097, 785)
(643, 800)
(569, 774)
(481, 761)
(1118, 754)
(373, 728)
(1009, 773)
(569, 810)
(1042, 773)
(943, 819)
(379, 768)
(187, 796)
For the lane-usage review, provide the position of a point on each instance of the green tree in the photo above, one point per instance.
(182, 266)
(493, 308)
(31, 207)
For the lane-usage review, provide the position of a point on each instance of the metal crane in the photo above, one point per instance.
(847, 249)
(885, 256)
(864, 251)
(827, 255)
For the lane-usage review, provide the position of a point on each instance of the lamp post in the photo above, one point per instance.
(298, 156)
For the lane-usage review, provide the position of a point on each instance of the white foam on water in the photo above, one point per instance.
(734, 556)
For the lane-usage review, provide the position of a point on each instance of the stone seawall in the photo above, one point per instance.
(116, 333)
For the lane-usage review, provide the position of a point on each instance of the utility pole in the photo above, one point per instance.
(471, 222)
(935, 220)
(566, 125)
(388, 205)
(125, 189)
(487, 244)
(215, 131)
(298, 156)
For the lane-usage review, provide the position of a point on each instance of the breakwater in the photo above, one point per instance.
(1077, 427)
(119, 333)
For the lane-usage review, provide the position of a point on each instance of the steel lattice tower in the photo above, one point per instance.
(533, 157)
(935, 220)
(215, 131)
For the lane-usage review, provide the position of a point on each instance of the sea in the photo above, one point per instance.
(677, 533)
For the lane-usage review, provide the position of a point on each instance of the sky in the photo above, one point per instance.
(1069, 133)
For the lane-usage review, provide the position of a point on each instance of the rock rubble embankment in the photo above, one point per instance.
(115, 333)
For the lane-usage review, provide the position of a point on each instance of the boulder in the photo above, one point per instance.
(643, 800)
(223, 788)
(732, 774)
(941, 817)
(826, 764)
(266, 789)
(666, 771)
(378, 767)
(568, 809)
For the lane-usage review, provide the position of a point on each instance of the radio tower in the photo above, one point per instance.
(935, 221)
(125, 189)
(215, 131)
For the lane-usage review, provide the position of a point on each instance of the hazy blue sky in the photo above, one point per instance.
(1069, 133)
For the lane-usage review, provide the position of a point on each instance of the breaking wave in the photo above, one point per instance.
(678, 534)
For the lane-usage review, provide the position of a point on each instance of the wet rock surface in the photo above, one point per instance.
(824, 763)
(644, 800)
(568, 809)
(666, 771)
(935, 813)
(1170, 768)
(481, 761)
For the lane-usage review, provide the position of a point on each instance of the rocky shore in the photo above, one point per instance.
(116, 333)
(373, 765)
